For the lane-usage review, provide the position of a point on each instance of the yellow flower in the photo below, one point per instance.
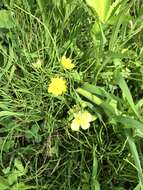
(57, 86)
(67, 63)
(82, 119)
(38, 64)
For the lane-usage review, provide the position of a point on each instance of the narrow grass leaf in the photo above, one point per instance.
(8, 113)
(116, 29)
(138, 187)
(135, 154)
(9, 62)
(139, 104)
(95, 183)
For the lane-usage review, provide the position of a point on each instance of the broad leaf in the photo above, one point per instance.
(128, 122)
(101, 7)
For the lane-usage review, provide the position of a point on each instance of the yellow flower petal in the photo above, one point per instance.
(67, 63)
(38, 64)
(82, 119)
(86, 116)
(85, 125)
(57, 86)
(75, 125)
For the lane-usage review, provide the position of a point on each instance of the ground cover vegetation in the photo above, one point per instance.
(71, 94)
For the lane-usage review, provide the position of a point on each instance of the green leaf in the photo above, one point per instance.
(114, 9)
(6, 145)
(95, 163)
(109, 106)
(18, 164)
(86, 178)
(138, 133)
(138, 187)
(3, 183)
(89, 96)
(135, 155)
(6, 170)
(94, 90)
(20, 186)
(95, 183)
(12, 178)
(9, 113)
(116, 28)
(34, 133)
(85, 187)
(129, 122)
(126, 92)
(101, 7)
(5, 19)
(139, 104)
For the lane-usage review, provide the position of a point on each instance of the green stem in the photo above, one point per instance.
(95, 183)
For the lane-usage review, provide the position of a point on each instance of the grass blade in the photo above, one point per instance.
(134, 152)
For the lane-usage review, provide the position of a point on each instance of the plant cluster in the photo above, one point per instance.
(71, 106)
